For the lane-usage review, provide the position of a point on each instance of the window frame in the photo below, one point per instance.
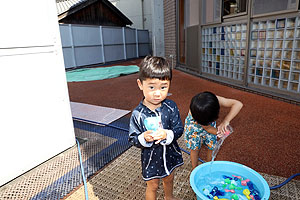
(293, 10)
(235, 14)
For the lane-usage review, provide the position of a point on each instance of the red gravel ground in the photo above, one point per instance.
(266, 131)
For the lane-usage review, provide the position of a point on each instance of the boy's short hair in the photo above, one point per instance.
(205, 108)
(155, 67)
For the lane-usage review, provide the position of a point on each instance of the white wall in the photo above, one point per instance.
(36, 121)
(158, 28)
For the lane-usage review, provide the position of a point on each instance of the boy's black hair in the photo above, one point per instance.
(205, 108)
(155, 67)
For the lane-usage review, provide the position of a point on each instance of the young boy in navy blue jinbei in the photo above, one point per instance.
(155, 126)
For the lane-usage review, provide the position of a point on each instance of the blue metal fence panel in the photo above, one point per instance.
(89, 45)
(86, 35)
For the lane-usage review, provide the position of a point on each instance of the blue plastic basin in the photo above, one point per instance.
(228, 168)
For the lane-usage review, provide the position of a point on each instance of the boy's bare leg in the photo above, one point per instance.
(151, 189)
(209, 155)
(168, 187)
(194, 158)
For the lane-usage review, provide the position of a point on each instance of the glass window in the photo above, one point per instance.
(231, 7)
(211, 11)
(263, 7)
(191, 12)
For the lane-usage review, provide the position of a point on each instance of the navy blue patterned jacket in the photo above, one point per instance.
(158, 160)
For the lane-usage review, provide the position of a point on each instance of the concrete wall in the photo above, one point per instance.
(146, 14)
(133, 9)
(158, 28)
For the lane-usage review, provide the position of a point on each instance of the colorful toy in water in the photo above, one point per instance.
(227, 177)
(238, 177)
(244, 182)
(230, 184)
(226, 182)
(217, 198)
(233, 187)
(234, 197)
(216, 192)
(242, 197)
(246, 192)
(253, 191)
(235, 178)
(206, 192)
(233, 182)
(230, 180)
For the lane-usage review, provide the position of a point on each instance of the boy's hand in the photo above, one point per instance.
(148, 136)
(222, 129)
(220, 134)
(159, 135)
